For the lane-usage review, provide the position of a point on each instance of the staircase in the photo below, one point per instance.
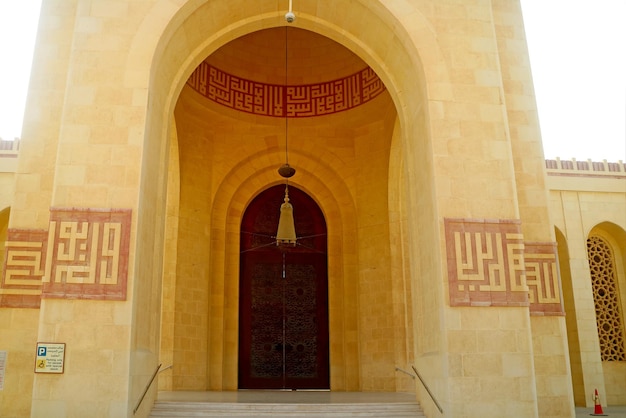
(214, 409)
(294, 408)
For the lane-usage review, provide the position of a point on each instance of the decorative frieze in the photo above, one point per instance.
(83, 255)
(490, 265)
(285, 101)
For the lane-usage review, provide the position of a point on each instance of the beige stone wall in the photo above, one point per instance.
(19, 336)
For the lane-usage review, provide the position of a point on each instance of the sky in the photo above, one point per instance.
(577, 53)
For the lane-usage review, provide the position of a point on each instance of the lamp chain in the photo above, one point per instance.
(286, 170)
(285, 96)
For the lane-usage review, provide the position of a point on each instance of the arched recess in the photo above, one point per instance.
(336, 203)
(391, 51)
(610, 268)
(571, 322)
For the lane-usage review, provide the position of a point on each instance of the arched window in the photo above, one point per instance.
(606, 299)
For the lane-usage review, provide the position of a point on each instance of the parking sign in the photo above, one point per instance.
(50, 358)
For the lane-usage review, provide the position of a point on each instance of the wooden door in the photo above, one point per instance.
(283, 305)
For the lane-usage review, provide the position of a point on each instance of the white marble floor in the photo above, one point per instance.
(273, 396)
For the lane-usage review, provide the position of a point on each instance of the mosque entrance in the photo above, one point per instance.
(283, 297)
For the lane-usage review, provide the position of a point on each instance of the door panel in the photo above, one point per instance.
(283, 322)
(306, 322)
(261, 322)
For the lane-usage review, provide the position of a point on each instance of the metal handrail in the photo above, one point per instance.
(165, 368)
(411, 375)
(427, 389)
(156, 371)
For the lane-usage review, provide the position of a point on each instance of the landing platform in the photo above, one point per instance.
(285, 397)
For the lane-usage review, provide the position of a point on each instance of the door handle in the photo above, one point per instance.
(279, 347)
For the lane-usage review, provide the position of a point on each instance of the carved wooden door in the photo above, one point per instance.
(283, 304)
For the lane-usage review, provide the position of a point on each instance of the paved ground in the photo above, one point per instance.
(610, 411)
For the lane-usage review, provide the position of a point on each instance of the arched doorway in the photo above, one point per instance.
(283, 298)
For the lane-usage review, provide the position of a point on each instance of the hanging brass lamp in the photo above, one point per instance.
(286, 234)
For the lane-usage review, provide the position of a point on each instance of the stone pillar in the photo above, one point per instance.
(550, 349)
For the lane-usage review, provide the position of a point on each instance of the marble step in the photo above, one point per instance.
(294, 410)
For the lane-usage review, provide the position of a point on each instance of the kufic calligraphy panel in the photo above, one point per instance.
(489, 264)
(485, 261)
(285, 101)
(83, 255)
(87, 254)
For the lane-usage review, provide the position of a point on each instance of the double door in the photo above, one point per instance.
(283, 339)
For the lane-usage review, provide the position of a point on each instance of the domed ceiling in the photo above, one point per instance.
(286, 72)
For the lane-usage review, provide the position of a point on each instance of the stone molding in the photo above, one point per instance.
(588, 168)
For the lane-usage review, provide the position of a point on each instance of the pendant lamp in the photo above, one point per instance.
(286, 234)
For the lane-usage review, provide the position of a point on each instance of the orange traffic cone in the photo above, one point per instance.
(597, 408)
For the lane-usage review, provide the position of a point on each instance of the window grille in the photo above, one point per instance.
(606, 299)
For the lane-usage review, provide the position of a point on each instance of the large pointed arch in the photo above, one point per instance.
(390, 51)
